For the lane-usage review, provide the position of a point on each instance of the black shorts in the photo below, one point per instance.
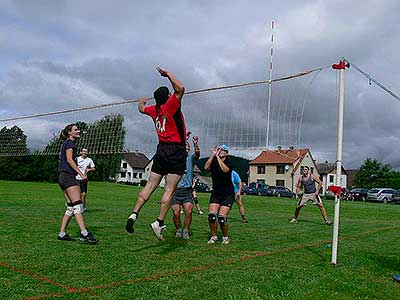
(66, 180)
(226, 200)
(170, 158)
(83, 185)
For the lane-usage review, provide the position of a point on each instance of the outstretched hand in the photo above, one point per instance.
(195, 140)
(163, 72)
(214, 150)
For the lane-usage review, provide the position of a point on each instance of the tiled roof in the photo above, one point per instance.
(284, 156)
(325, 168)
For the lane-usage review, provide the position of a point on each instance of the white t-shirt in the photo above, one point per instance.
(83, 164)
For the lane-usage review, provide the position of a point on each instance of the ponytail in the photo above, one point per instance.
(64, 135)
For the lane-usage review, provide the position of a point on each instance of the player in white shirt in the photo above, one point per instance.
(86, 165)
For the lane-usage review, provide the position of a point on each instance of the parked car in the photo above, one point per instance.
(202, 187)
(250, 189)
(357, 194)
(281, 191)
(396, 197)
(380, 194)
(258, 188)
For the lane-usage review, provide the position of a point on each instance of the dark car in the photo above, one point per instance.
(201, 187)
(258, 188)
(357, 194)
(396, 197)
(281, 191)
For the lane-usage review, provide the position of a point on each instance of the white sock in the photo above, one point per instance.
(84, 232)
(61, 234)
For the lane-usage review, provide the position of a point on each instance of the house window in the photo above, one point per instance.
(280, 169)
(123, 174)
(124, 165)
(331, 178)
(312, 170)
(140, 175)
(261, 170)
(134, 175)
(129, 175)
(280, 183)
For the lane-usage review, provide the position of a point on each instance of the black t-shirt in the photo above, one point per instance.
(63, 165)
(222, 182)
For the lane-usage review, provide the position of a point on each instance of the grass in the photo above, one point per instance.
(268, 258)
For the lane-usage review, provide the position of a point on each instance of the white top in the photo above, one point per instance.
(83, 164)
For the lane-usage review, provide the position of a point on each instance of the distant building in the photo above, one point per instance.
(327, 173)
(281, 167)
(133, 168)
(351, 175)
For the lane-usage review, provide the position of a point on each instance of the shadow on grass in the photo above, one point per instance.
(385, 262)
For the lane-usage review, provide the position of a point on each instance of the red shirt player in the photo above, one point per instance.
(170, 157)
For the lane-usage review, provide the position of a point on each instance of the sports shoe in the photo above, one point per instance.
(178, 233)
(225, 240)
(244, 220)
(212, 240)
(327, 222)
(185, 234)
(181, 211)
(130, 223)
(158, 230)
(66, 238)
(85, 210)
(293, 221)
(200, 212)
(88, 239)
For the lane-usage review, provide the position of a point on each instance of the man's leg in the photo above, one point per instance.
(171, 182)
(323, 213)
(241, 208)
(176, 209)
(83, 199)
(296, 213)
(144, 195)
(213, 221)
(188, 208)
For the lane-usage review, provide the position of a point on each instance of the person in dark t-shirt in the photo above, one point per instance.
(67, 171)
(222, 195)
(170, 157)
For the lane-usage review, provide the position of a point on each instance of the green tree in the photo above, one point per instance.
(373, 174)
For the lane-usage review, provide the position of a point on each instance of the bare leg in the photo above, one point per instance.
(188, 207)
(74, 195)
(83, 199)
(146, 192)
(66, 219)
(323, 212)
(240, 204)
(213, 209)
(297, 211)
(177, 216)
(171, 182)
(224, 211)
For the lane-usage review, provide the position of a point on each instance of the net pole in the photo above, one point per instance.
(270, 85)
(335, 238)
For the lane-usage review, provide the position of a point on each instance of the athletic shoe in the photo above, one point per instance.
(200, 212)
(181, 211)
(185, 234)
(130, 223)
(178, 233)
(85, 210)
(293, 221)
(213, 240)
(66, 238)
(244, 220)
(225, 240)
(327, 222)
(89, 239)
(158, 230)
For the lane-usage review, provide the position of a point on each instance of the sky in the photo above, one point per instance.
(58, 55)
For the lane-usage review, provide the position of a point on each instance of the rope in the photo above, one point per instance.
(369, 77)
(151, 98)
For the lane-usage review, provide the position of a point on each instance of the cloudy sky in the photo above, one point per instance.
(63, 54)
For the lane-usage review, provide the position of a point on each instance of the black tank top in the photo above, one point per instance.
(309, 185)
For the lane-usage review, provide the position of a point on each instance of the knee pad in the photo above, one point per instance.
(70, 210)
(78, 207)
(222, 220)
(212, 217)
(195, 200)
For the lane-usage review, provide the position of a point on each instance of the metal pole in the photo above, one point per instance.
(338, 166)
(270, 85)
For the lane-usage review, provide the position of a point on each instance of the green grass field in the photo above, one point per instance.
(268, 258)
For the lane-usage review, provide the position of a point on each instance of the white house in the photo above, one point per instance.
(327, 173)
(281, 167)
(132, 168)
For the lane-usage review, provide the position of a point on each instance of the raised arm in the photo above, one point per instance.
(196, 147)
(207, 166)
(222, 165)
(142, 104)
(176, 84)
